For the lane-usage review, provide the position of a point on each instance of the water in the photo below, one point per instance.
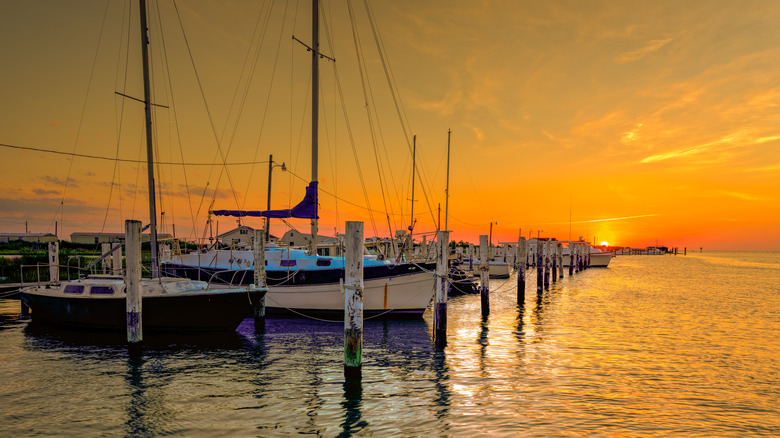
(652, 345)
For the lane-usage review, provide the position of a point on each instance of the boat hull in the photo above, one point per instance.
(390, 292)
(597, 260)
(222, 311)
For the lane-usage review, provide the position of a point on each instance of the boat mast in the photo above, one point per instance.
(315, 81)
(447, 190)
(414, 165)
(149, 144)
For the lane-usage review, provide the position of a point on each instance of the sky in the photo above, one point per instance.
(636, 123)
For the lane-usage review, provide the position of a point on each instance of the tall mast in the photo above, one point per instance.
(149, 144)
(414, 165)
(315, 90)
(447, 190)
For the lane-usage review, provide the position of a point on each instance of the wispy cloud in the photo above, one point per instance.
(747, 196)
(636, 55)
(604, 220)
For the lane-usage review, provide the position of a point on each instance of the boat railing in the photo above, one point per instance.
(39, 278)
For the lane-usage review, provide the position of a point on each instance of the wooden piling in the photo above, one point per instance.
(554, 256)
(547, 265)
(353, 301)
(539, 267)
(484, 275)
(258, 245)
(685, 251)
(54, 262)
(442, 285)
(117, 256)
(106, 264)
(521, 265)
(559, 252)
(133, 281)
(571, 259)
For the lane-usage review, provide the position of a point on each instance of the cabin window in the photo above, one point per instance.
(73, 289)
(287, 263)
(323, 262)
(101, 290)
(323, 251)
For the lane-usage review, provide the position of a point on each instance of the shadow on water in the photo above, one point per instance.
(483, 344)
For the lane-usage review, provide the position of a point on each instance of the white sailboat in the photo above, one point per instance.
(301, 282)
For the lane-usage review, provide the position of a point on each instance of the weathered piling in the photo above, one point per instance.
(106, 263)
(554, 257)
(520, 266)
(571, 259)
(547, 265)
(54, 261)
(539, 267)
(559, 252)
(258, 245)
(117, 256)
(353, 301)
(133, 281)
(442, 285)
(685, 251)
(484, 275)
(587, 256)
(471, 257)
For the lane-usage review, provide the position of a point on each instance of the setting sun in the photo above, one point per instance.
(605, 243)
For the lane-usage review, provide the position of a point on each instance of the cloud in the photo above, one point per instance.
(53, 180)
(746, 196)
(44, 192)
(636, 55)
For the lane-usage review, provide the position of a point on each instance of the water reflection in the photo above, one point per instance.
(351, 405)
(147, 412)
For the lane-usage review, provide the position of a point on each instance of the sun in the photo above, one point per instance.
(605, 243)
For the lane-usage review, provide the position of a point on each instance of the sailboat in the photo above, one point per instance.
(169, 304)
(301, 282)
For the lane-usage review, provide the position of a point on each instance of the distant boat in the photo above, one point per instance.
(496, 268)
(598, 258)
(169, 304)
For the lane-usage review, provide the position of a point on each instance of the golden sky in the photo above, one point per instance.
(629, 122)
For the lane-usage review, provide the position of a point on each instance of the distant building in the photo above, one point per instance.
(327, 246)
(91, 238)
(241, 236)
(27, 237)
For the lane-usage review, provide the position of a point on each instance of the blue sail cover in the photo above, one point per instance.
(306, 209)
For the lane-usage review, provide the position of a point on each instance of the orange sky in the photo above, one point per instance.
(636, 121)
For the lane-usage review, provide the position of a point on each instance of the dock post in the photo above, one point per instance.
(117, 256)
(353, 301)
(554, 256)
(442, 285)
(559, 251)
(520, 266)
(547, 265)
(484, 275)
(685, 250)
(133, 281)
(54, 261)
(539, 268)
(471, 257)
(571, 259)
(258, 245)
(105, 264)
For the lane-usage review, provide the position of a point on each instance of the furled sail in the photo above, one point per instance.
(306, 209)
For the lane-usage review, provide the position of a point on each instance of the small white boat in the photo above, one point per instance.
(496, 268)
(598, 258)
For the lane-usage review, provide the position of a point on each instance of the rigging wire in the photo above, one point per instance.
(222, 154)
(396, 99)
(61, 208)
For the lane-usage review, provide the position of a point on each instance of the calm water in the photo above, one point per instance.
(653, 345)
